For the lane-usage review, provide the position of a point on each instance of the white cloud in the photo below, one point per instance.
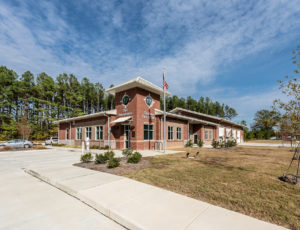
(194, 40)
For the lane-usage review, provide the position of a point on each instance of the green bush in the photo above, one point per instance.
(114, 162)
(106, 147)
(215, 144)
(134, 158)
(100, 159)
(95, 147)
(109, 155)
(86, 157)
(222, 143)
(200, 143)
(189, 143)
(127, 152)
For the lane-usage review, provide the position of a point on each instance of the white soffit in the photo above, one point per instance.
(137, 82)
(120, 120)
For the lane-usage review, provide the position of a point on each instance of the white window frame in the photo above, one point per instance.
(79, 128)
(86, 131)
(170, 133)
(101, 131)
(206, 135)
(149, 131)
(178, 133)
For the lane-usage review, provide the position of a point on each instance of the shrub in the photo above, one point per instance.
(5, 148)
(215, 144)
(114, 162)
(222, 143)
(106, 147)
(100, 159)
(134, 158)
(200, 143)
(189, 143)
(86, 157)
(95, 147)
(127, 152)
(109, 155)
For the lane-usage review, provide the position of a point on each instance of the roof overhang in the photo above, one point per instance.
(121, 120)
(93, 115)
(137, 82)
(177, 110)
(191, 120)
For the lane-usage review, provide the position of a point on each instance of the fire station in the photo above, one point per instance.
(137, 122)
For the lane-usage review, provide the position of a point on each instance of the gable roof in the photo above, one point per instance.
(137, 82)
(177, 110)
(92, 115)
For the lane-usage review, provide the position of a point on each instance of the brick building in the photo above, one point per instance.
(137, 122)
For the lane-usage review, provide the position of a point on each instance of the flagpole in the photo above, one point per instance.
(164, 113)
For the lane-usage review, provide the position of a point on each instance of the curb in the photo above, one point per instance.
(116, 217)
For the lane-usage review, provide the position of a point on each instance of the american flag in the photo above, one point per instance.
(165, 84)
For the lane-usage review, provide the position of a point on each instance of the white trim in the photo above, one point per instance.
(104, 113)
(137, 82)
(121, 119)
(178, 132)
(99, 135)
(172, 133)
(86, 132)
(76, 137)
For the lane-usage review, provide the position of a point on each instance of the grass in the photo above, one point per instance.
(268, 141)
(243, 179)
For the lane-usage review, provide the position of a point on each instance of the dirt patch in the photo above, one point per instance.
(120, 170)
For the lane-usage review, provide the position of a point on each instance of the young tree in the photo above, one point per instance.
(290, 109)
(24, 127)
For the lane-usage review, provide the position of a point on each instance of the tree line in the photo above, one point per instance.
(203, 105)
(41, 100)
(30, 104)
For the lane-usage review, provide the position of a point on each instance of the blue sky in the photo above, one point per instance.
(231, 51)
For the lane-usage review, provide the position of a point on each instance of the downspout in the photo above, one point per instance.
(108, 130)
(70, 137)
(188, 131)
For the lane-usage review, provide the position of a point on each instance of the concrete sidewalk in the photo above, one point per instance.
(118, 153)
(136, 205)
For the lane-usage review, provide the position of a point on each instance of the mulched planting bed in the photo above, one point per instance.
(120, 170)
(23, 149)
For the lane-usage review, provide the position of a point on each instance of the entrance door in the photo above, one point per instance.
(195, 138)
(126, 136)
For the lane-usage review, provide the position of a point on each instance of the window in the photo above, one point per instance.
(170, 132)
(79, 133)
(178, 133)
(148, 132)
(208, 135)
(67, 133)
(88, 132)
(99, 133)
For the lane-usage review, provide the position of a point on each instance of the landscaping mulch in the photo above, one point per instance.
(120, 170)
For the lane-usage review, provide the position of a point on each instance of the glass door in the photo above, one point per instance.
(195, 138)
